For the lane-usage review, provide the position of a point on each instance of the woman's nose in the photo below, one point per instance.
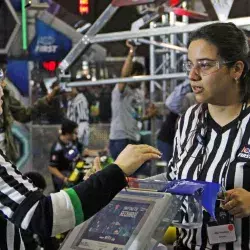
(194, 74)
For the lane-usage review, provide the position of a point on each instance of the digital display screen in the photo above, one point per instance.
(113, 226)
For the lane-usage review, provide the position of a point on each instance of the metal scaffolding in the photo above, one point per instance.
(124, 35)
(167, 42)
(126, 79)
(172, 28)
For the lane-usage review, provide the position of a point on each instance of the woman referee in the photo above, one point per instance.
(212, 141)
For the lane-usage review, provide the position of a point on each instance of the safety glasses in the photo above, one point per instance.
(204, 67)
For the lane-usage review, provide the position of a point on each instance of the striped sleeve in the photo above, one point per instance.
(29, 209)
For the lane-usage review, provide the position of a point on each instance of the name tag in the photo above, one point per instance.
(221, 234)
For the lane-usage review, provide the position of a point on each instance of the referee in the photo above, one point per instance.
(212, 142)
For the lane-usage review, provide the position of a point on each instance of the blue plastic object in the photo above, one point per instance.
(72, 153)
(206, 191)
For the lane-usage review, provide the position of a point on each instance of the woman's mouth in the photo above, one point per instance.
(197, 90)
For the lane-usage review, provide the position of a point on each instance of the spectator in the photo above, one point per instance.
(13, 110)
(126, 108)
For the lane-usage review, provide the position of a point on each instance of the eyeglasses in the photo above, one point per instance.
(205, 67)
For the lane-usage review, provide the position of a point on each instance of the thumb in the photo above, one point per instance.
(97, 164)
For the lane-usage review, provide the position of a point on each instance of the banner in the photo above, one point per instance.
(48, 44)
(17, 73)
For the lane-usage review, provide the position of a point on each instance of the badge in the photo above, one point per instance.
(222, 230)
(221, 234)
(244, 154)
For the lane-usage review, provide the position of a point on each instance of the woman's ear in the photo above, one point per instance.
(237, 70)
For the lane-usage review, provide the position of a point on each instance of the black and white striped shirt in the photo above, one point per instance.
(223, 144)
(78, 109)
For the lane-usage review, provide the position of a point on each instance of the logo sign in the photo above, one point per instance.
(222, 8)
(45, 44)
(245, 153)
(49, 44)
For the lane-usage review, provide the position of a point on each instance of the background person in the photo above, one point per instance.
(78, 111)
(61, 164)
(176, 103)
(14, 110)
(126, 106)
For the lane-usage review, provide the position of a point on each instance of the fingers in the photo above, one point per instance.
(150, 156)
(97, 164)
(129, 44)
(234, 204)
(237, 202)
(95, 168)
(148, 149)
(236, 210)
(229, 205)
(86, 176)
(133, 156)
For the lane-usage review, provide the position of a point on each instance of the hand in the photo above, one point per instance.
(133, 156)
(131, 47)
(54, 92)
(151, 111)
(237, 202)
(95, 168)
(65, 180)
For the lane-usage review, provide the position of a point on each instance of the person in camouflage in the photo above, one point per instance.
(14, 110)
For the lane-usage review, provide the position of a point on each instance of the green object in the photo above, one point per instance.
(76, 204)
(24, 25)
(106, 161)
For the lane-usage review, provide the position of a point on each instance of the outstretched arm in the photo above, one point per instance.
(25, 206)
(127, 66)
